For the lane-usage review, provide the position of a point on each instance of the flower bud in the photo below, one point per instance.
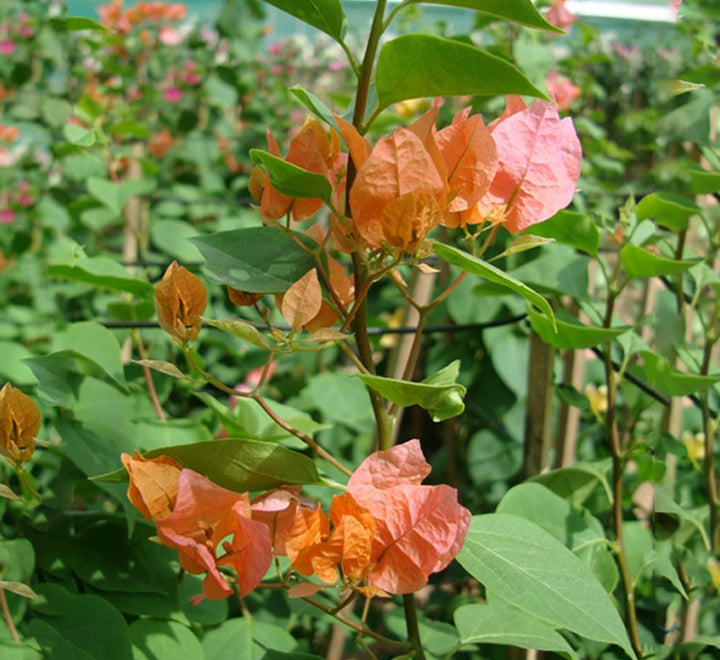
(19, 423)
(180, 299)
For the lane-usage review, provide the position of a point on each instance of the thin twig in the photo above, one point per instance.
(152, 392)
(8, 618)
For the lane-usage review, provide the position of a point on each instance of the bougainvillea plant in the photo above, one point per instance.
(232, 517)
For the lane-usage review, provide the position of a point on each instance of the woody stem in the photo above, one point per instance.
(152, 392)
(356, 627)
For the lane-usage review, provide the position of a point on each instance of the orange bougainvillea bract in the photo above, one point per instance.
(539, 158)
(19, 424)
(204, 515)
(180, 300)
(153, 484)
(420, 529)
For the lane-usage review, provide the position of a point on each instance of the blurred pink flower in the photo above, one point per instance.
(192, 79)
(172, 95)
(169, 36)
(7, 216)
(559, 16)
(277, 47)
(626, 52)
(6, 158)
(336, 65)
(26, 200)
(26, 31)
(7, 47)
(561, 90)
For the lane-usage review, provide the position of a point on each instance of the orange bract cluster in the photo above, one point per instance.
(387, 533)
(519, 170)
(19, 424)
(116, 18)
(9, 133)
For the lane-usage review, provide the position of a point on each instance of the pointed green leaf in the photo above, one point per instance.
(76, 24)
(256, 259)
(499, 624)
(325, 15)
(704, 182)
(292, 180)
(156, 639)
(116, 195)
(517, 11)
(570, 228)
(661, 375)
(240, 465)
(639, 262)
(102, 272)
(532, 571)
(240, 329)
(439, 394)
(492, 274)
(571, 335)
(313, 104)
(419, 65)
(167, 368)
(667, 209)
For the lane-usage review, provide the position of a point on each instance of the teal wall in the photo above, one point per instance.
(360, 11)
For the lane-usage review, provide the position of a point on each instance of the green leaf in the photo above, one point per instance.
(639, 262)
(517, 11)
(574, 527)
(102, 272)
(76, 24)
(439, 394)
(669, 210)
(531, 570)
(167, 368)
(292, 180)
(240, 329)
(571, 335)
(663, 376)
(116, 195)
(570, 228)
(704, 182)
(240, 465)
(95, 342)
(313, 104)
(173, 237)
(79, 136)
(17, 563)
(492, 274)
(523, 243)
(12, 363)
(418, 65)
(155, 639)
(86, 621)
(325, 15)
(438, 637)
(246, 639)
(256, 259)
(495, 623)
(577, 483)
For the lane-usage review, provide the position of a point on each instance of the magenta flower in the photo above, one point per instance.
(172, 94)
(6, 216)
(7, 47)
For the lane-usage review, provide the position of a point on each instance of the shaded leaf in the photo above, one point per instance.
(639, 262)
(292, 180)
(570, 228)
(239, 465)
(571, 335)
(667, 209)
(256, 259)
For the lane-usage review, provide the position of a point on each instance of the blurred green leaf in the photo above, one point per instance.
(667, 209)
(523, 12)
(325, 15)
(639, 262)
(570, 228)
(571, 335)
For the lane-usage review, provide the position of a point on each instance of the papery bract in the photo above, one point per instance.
(559, 15)
(562, 91)
(153, 484)
(539, 158)
(420, 529)
(204, 515)
(276, 509)
(470, 160)
(19, 424)
(399, 166)
(311, 150)
(302, 301)
(180, 299)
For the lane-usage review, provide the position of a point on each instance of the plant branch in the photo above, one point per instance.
(356, 627)
(152, 392)
(708, 463)
(413, 629)
(8, 618)
(256, 396)
(413, 356)
(618, 465)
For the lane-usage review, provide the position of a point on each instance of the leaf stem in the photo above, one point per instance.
(256, 396)
(8, 618)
